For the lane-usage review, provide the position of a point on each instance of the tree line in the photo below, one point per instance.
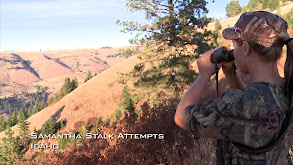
(38, 101)
(174, 34)
(233, 8)
(12, 148)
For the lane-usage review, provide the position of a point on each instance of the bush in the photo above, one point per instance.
(107, 121)
(265, 4)
(49, 127)
(177, 147)
(83, 131)
(289, 19)
(63, 142)
(274, 4)
(118, 113)
(127, 102)
(68, 86)
(100, 121)
(218, 25)
(89, 76)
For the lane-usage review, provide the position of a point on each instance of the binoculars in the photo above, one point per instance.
(222, 54)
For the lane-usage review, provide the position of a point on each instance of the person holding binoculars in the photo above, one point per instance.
(252, 123)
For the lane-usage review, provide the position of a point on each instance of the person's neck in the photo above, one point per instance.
(265, 72)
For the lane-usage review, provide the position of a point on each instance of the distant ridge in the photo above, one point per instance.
(99, 96)
(26, 65)
(24, 71)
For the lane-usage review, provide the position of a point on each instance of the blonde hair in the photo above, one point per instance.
(273, 54)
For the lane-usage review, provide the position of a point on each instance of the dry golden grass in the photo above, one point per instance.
(53, 67)
(101, 96)
(178, 146)
(92, 99)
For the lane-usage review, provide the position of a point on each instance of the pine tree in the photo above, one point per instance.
(253, 4)
(21, 115)
(173, 34)
(39, 105)
(9, 149)
(10, 111)
(274, 4)
(42, 104)
(49, 127)
(169, 22)
(36, 132)
(265, 4)
(12, 119)
(2, 124)
(24, 131)
(233, 8)
(29, 112)
(68, 86)
(218, 25)
(89, 76)
(74, 84)
(127, 102)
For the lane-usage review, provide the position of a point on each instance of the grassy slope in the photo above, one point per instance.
(98, 96)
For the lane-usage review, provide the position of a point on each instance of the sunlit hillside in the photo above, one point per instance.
(95, 105)
(23, 71)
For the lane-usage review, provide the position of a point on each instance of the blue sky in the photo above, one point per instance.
(70, 24)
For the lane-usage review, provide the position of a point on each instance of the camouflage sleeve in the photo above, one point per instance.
(216, 119)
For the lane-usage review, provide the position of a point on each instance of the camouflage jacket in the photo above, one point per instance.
(252, 116)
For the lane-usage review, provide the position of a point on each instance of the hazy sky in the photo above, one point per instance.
(70, 24)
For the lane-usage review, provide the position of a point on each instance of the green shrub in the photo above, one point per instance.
(218, 25)
(274, 4)
(100, 121)
(107, 121)
(289, 19)
(63, 142)
(49, 127)
(127, 102)
(118, 113)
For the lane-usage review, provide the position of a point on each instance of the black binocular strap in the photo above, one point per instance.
(217, 77)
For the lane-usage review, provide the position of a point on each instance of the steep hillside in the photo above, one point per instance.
(22, 71)
(230, 22)
(98, 96)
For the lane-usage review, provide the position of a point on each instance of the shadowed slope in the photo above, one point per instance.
(99, 96)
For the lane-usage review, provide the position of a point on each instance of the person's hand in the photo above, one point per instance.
(228, 68)
(204, 64)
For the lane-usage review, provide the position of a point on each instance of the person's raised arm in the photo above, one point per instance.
(193, 94)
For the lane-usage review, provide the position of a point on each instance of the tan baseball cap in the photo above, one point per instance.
(260, 27)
